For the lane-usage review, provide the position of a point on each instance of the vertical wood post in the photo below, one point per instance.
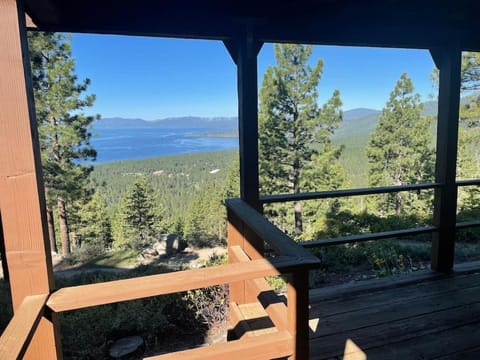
(235, 238)
(448, 62)
(298, 313)
(22, 199)
(248, 118)
(246, 51)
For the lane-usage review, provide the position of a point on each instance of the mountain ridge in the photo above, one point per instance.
(183, 122)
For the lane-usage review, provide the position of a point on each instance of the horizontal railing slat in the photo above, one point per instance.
(268, 199)
(367, 237)
(281, 243)
(16, 337)
(77, 297)
(468, 224)
(472, 182)
(268, 346)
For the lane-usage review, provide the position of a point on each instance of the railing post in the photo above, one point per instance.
(235, 238)
(448, 61)
(22, 199)
(298, 313)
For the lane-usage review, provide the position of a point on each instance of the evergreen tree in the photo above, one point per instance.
(400, 150)
(205, 218)
(94, 228)
(470, 76)
(232, 181)
(63, 128)
(141, 216)
(293, 131)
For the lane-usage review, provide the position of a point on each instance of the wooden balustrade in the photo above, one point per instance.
(245, 273)
(245, 226)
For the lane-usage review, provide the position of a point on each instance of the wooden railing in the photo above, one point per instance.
(16, 337)
(245, 273)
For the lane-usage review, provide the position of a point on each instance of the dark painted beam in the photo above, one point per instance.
(445, 202)
(245, 50)
(404, 24)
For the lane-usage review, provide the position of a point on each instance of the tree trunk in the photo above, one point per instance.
(51, 230)
(398, 204)
(62, 218)
(297, 206)
(298, 218)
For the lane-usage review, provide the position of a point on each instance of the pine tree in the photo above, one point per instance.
(293, 130)
(470, 71)
(63, 128)
(204, 224)
(141, 216)
(94, 228)
(400, 149)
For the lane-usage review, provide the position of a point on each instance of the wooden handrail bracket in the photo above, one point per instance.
(16, 337)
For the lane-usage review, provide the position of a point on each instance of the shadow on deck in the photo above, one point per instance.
(425, 316)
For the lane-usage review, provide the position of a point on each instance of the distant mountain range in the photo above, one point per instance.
(364, 119)
(186, 122)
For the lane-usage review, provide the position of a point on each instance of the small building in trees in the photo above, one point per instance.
(443, 27)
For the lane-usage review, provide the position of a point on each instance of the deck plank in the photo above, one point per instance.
(375, 314)
(430, 346)
(349, 302)
(395, 331)
(437, 318)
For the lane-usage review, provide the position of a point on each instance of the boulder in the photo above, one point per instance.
(169, 245)
(126, 346)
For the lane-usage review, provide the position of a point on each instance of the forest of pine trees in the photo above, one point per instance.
(125, 205)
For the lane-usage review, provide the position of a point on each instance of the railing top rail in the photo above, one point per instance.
(268, 199)
(368, 237)
(471, 182)
(78, 297)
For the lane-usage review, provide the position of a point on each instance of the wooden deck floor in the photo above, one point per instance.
(425, 317)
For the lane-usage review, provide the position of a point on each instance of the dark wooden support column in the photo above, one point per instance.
(244, 51)
(448, 61)
(22, 200)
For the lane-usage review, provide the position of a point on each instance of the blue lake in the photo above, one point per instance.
(131, 144)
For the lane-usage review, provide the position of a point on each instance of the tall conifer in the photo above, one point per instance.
(293, 130)
(400, 150)
(64, 130)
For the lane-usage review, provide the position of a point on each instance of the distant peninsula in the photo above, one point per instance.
(214, 134)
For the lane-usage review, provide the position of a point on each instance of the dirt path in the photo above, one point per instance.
(191, 258)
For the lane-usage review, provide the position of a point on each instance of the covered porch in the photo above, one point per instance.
(433, 315)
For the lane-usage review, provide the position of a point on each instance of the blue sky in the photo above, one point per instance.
(151, 78)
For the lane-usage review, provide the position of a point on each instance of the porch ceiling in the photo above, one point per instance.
(390, 23)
